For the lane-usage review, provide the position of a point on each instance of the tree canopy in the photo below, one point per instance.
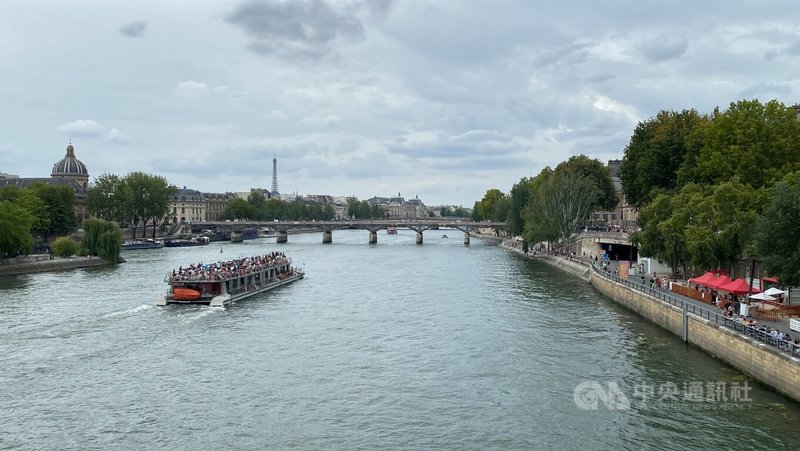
(656, 152)
(594, 170)
(777, 234)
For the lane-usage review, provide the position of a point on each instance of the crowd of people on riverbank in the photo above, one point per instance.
(238, 267)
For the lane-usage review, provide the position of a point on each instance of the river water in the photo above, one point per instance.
(394, 345)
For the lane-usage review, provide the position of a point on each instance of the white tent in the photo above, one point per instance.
(774, 292)
(762, 297)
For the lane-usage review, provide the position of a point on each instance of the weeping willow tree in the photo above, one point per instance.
(102, 238)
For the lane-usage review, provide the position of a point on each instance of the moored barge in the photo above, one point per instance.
(221, 283)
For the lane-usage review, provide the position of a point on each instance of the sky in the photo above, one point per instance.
(437, 99)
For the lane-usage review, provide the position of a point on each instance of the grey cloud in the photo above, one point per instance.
(766, 91)
(472, 143)
(305, 28)
(134, 29)
(569, 55)
(663, 48)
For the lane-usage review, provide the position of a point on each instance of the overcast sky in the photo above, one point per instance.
(440, 99)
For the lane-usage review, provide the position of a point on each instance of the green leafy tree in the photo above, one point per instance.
(561, 202)
(30, 201)
(487, 204)
(102, 238)
(15, 229)
(657, 151)
(721, 224)
(59, 201)
(238, 209)
(777, 241)
(518, 200)
(582, 166)
(756, 142)
(65, 246)
(259, 204)
(476, 211)
(159, 194)
(105, 200)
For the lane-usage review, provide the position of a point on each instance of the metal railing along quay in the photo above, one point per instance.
(709, 314)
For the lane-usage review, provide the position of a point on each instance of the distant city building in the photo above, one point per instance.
(398, 207)
(68, 171)
(187, 205)
(624, 215)
(216, 204)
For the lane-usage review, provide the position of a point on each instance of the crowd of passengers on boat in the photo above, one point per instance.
(229, 269)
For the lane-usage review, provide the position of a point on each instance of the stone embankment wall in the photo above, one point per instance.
(26, 265)
(758, 360)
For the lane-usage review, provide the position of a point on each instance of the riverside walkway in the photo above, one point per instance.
(703, 310)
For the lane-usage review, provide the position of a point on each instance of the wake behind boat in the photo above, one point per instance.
(221, 283)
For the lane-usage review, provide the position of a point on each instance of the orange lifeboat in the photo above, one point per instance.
(184, 294)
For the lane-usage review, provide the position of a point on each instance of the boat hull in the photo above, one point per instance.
(227, 298)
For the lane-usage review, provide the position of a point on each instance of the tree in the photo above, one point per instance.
(60, 209)
(102, 238)
(476, 211)
(104, 200)
(561, 202)
(15, 229)
(656, 152)
(777, 241)
(238, 209)
(159, 194)
(584, 167)
(259, 204)
(518, 200)
(753, 141)
(486, 205)
(65, 246)
(720, 224)
(30, 201)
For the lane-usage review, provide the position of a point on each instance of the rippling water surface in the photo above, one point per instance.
(382, 346)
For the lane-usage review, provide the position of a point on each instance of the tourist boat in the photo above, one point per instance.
(391, 231)
(236, 237)
(142, 244)
(221, 283)
(196, 241)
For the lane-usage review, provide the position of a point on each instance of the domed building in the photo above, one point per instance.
(69, 171)
(71, 168)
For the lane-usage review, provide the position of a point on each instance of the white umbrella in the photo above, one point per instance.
(762, 297)
(774, 291)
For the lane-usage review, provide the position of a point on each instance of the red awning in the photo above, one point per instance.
(719, 281)
(702, 280)
(738, 286)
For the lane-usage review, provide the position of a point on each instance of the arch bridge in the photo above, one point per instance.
(282, 228)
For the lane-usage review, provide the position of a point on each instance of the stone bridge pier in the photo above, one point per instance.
(282, 237)
(327, 237)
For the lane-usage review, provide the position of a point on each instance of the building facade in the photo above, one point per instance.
(187, 206)
(216, 204)
(624, 216)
